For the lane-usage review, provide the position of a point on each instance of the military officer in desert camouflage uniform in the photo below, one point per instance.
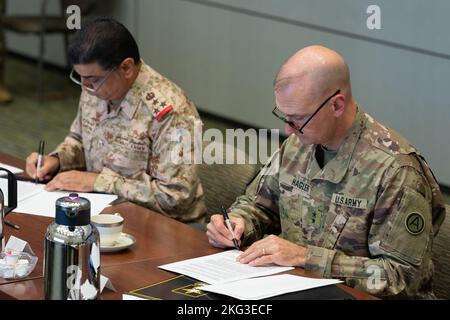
(123, 135)
(345, 196)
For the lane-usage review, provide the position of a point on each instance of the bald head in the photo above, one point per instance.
(317, 69)
(306, 84)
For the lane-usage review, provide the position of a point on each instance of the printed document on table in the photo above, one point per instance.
(10, 168)
(220, 268)
(265, 287)
(33, 199)
(24, 189)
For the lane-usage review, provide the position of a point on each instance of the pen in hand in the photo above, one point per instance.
(230, 228)
(40, 158)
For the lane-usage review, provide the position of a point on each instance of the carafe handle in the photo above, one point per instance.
(12, 192)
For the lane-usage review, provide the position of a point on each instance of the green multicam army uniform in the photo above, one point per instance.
(368, 217)
(131, 147)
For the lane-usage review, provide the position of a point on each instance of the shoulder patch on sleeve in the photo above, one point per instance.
(409, 231)
(415, 223)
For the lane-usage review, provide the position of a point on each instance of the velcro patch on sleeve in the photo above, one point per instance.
(415, 223)
(409, 229)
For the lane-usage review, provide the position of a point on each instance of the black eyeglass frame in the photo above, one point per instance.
(98, 86)
(277, 113)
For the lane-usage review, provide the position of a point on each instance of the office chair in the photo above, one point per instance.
(223, 183)
(41, 25)
(441, 259)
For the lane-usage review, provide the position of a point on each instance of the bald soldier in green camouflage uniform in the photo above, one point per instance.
(122, 138)
(349, 198)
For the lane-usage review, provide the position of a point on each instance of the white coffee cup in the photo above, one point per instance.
(109, 226)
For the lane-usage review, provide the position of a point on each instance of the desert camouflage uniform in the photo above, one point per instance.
(368, 217)
(131, 147)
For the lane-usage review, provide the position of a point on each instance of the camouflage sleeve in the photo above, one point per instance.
(399, 241)
(71, 151)
(259, 206)
(170, 184)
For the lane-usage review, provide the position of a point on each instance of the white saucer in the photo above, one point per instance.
(125, 241)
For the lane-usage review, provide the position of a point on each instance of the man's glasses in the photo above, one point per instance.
(95, 85)
(280, 115)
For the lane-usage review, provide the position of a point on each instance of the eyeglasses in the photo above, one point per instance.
(95, 85)
(280, 115)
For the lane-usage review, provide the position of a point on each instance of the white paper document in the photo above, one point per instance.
(25, 190)
(10, 168)
(220, 268)
(265, 287)
(131, 297)
(33, 199)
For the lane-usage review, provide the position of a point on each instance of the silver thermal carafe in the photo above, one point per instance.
(12, 203)
(72, 252)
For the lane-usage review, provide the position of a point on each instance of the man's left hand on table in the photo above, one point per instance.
(274, 250)
(73, 181)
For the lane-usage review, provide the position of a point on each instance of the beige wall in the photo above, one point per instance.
(226, 58)
(225, 53)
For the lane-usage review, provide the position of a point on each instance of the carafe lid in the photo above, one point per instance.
(73, 210)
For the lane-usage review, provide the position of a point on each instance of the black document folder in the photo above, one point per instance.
(176, 288)
(185, 288)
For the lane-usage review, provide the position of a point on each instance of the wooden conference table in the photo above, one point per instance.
(159, 240)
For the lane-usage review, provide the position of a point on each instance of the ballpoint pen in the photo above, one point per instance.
(13, 225)
(40, 158)
(228, 224)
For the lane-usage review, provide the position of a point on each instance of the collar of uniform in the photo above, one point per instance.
(130, 103)
(335, 170)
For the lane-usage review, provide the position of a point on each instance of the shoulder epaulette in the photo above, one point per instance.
(158, 108)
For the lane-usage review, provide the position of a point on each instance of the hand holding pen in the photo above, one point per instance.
(229, 226)
(40, 159)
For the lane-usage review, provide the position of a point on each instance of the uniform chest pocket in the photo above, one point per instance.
(128, 157)
(335, 221)
(133, 146)
(291, 205)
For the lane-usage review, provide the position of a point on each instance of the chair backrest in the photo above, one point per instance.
(223, 183)
(441, 259)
